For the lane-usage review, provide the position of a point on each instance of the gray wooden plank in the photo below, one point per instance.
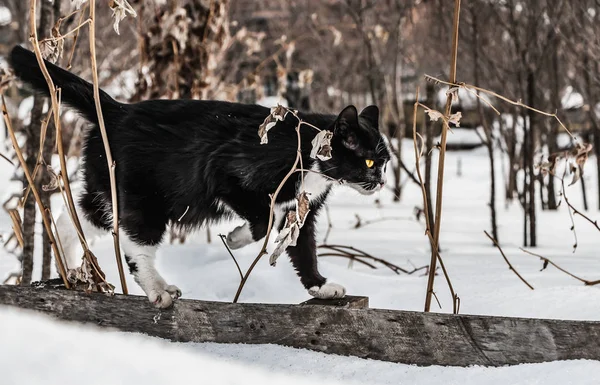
(388, 335)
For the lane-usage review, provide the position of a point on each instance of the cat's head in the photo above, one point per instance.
(359, 151)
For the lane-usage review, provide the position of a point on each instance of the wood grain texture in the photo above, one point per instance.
(388, 335)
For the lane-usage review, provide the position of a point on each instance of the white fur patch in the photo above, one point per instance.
(70, 240)
(328, 291)
(314, 184)
(240, 236)
(158, 291)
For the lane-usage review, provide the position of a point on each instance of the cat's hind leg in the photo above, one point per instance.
(143, 231)
(94, 224)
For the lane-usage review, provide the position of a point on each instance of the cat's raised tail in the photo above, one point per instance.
(75, 91)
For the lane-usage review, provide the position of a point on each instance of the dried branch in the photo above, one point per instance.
(360, 223)
(434, 244)
(470, 87)
(223, 237)
(36, 194)
(352, 252)
(55, 104)
(548, 261)
(507, 261)
(577, 212)
(263, 249)
(109, 159)
(441, 162)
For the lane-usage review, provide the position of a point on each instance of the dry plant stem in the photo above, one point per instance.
(110, 162)
(564, 194)
(55, 112)
(350, 256)
(38, 163)
(354, 253)
(61, 37)
(585, 281)
(434, 248)
(507, 261)
(75, 37)
(441, 162)
(230, 253)
(470, 87)
(575, 211)
(263, 250)
(38, 199)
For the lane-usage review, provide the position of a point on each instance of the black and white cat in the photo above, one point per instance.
(189, 162)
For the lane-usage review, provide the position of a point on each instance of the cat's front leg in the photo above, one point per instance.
(304, 259)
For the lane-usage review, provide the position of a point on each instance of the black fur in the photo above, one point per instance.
(190, 156)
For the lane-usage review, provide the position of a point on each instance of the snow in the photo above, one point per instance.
(5, 16)
(571, 99)
(205, 271)
(45, 351)
(462, 136)
(272, 101)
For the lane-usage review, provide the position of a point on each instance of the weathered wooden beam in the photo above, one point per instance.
(388, 335)
(349, 302)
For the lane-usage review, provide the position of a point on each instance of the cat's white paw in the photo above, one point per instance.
(160, 298)
(328, 291)
(174, 291)
(240, 236)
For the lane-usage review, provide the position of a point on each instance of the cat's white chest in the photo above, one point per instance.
(315, 184)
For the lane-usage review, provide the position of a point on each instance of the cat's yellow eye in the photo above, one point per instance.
(369, 162)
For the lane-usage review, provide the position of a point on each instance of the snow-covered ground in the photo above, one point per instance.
(35, 349)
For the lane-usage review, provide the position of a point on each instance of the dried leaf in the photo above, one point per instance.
(581, 153)
(321, 145)
(294, 221)
(576, 171)
(455, 118)
(120, 9)
(53, 184)
(549, 167)
(51, 50)
(434, 115)
(278, 113)
(287, 236)
(453, 93)
(337, 36)
(302, 207)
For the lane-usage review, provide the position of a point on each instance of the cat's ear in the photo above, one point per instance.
(371, 115)
(346, 125)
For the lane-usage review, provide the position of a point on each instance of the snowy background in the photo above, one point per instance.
(481, 278)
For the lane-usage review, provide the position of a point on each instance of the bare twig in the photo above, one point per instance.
(507, 261)
(263, 250)
(230, 253)
(109, 159)
(350, 256)
(350, 251)
(470, 87)
(434, 244)
(577, 212)
(55, 104)
(548, 261)
(441, 162)
(360, 223)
